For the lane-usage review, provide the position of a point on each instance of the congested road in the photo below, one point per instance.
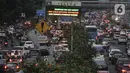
(111, 67)
(32, 36)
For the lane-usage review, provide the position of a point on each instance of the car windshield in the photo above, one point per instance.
(44, 52)
(11, 64)
(17, 48)
(123, 37)
(118, 54)
(34, 53)
(91, 29)
(102, 62)
(124, 62)
(28, 42)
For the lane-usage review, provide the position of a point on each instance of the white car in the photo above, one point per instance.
(28, 44)
(116, 35)
(113, 50)
(122, 39)
(128, 35)
(128, 52)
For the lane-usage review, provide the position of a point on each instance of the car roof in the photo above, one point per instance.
(123, 59)
(99, 57)
(28, 41)
(115, 49)
(13, 62)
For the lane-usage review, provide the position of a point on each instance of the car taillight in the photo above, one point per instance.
(129, 65)
(96, 38)
(6, 43)
(21, 60)
(17, 67)
(123, 70)
(36, 64)
(5, 67)
(10, 60)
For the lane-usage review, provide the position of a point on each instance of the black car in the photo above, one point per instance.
(123, 65)
(116, 55)
(3, 67)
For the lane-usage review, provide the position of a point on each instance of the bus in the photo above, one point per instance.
(92, 32)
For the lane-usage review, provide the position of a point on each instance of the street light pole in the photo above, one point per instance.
(72, 30)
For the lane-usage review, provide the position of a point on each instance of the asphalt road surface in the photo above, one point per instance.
(33, 37)
(115, 45)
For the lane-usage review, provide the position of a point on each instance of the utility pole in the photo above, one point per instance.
(72, 31)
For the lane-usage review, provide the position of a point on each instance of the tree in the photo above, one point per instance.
(80, 59)
(10, 10)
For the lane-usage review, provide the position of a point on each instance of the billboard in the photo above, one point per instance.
(66, 3)
(63, 11)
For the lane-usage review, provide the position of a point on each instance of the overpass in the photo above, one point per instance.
(95, 4)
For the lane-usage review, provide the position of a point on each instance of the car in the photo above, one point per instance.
(128, 33)
(100, 61)
(123, 32)
(106, 45)
(44, 52)
(33, 56)
(3, 67)
(110, 51)
(115, 56)
(122, 39)
(5, 42)
(28, 44)
(16, 58)
(16, 52)
(116, 35)
(23, 51)
(24, 38)
(123, 65)
(98, 47)
(43, 40)
(127, 49)
(55, 40)
(16, 66)
(103, 71)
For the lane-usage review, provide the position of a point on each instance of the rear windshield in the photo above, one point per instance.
(28, 42)
(34, 53)
(100, 62)
(11, 64)
(124, 37)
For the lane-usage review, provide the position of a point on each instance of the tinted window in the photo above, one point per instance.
(28, 42)
(91, 29)
(34, 53)
(44, 52)
(11, 64)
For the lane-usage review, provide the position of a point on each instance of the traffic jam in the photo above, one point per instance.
(17, 50)
(107, 38)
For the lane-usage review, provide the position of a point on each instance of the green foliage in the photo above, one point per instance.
(80, 59)
(12, 9)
